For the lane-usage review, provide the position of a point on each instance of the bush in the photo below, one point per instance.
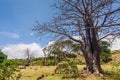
(115, 72)
(71, 55)
(106, 57)
(105, 54)
(68, 69)
(7, 69)
(2, 57)
(20, 62)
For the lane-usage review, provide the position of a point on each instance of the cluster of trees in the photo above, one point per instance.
(69, 49)
(61, 51)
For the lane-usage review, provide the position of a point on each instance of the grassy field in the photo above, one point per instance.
(112, 70)
(33, 72)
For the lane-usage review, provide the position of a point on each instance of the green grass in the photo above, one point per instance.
(112, 70)
(33, 72)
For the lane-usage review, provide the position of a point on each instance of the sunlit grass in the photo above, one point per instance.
(33, 72)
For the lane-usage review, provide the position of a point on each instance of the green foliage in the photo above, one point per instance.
(115, 52)
(105, 51)
(71, 55)
(76, 48)
(68, 69)
(20, 62)
(7, 69)
(38, 61)
(60, 51)
(2, 57)
(115, 72)
(105, 57)
(53, 60)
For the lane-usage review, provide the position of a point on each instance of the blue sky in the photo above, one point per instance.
(18, 16)
(16, 19)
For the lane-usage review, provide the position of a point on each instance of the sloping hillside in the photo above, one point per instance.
(115, 58)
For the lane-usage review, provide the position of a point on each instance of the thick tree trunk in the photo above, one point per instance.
(93, 62)
(91, 48)
(96, 62)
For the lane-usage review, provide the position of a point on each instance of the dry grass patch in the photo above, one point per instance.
(32, 72)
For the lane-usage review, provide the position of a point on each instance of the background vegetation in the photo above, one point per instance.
(70, 67)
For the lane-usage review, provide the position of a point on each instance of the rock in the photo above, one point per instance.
(18, 76)
(22, 67)
(40, 77)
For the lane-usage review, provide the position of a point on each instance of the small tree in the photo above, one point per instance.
(7, 67)
(62, 49)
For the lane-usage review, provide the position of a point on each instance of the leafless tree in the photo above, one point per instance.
(45, 57)
(29, 56)
(91, 20)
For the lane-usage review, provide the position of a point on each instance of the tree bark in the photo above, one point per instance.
(93, 62)
(91, 50)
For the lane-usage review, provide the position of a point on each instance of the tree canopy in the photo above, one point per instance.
(66, 46)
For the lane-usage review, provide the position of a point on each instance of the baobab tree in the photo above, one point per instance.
(91, 20)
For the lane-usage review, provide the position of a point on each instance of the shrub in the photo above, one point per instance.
(71, 55)
(7, 69)
(115, 72)
(68, 69)
(105, 51)
(106, 57)
(2, 57)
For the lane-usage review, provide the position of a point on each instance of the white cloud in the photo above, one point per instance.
(50, 43)
(115, 44)
(18, 50)
(77, 37)
(10, 34)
